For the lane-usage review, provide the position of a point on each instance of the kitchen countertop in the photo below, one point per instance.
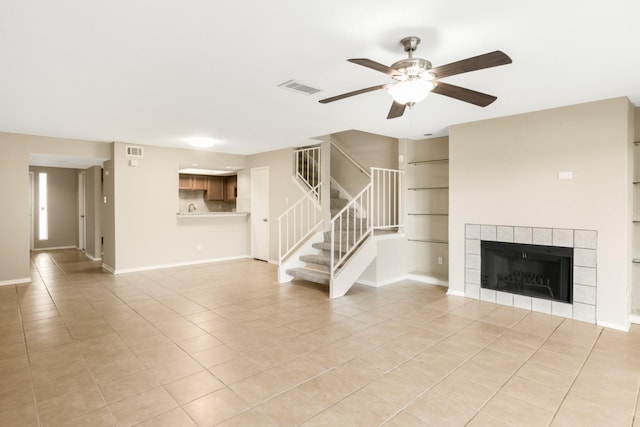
(209, 214)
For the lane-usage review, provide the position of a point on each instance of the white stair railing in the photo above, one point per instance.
(349, 227)
(378, 206)
(298, 222)
(308, 167)
(387, 199)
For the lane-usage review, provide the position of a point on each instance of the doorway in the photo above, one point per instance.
(260, 213)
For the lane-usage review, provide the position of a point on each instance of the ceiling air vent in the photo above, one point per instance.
(299, 87)
(134, 151)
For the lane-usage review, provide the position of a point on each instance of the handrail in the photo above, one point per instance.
(356, 164)
(356, 229)
(298, 222)
(307, 166)
(377, 206)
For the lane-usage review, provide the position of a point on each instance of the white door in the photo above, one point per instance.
(82, 223)
(260, 213)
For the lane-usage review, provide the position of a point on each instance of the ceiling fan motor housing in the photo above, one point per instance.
(411, 68)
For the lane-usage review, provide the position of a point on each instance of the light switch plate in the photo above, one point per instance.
(565, 175)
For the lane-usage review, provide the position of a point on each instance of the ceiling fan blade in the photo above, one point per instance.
(466, 95)
(396, 110)
(376, 66)
(355, 92)
(488, 60)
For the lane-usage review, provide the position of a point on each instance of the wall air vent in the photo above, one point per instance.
(134, 151)
(299, 87)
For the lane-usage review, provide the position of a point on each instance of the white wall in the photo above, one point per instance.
(505, 171)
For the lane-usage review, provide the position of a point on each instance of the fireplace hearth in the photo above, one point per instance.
(532, 270)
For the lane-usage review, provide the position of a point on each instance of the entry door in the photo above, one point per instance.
(260, 213)
(82, 221)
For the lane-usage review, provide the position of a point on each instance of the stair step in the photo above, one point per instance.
(316, 259)
(349, 212)
(344, 235)
(310, 275)
(338, 203)
(335, 193)
(325, 246)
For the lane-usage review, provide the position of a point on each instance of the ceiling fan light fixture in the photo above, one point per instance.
(410, 91)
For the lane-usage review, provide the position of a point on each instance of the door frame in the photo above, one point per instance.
(255, 200)
(32, 216)
(82, 212)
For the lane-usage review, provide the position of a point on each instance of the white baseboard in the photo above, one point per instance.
(424, 278)
(91, 257)
(108, 268)
(173, 265)
(624, 328)
(15, 281)
(382, 283)
(55, 248)
(455, 293)
(634, 318)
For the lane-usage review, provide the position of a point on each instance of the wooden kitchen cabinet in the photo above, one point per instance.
(199, 182)
(192, 182)
(184, 182)
(231, 188)
(215, 188)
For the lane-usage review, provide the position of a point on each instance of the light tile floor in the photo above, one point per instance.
(224, 344)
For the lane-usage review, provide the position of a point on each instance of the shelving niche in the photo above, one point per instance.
(635, 291)
(427, 207)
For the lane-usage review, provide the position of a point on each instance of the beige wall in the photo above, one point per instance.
(283, 192)
(505, 171)
(148, 232)
(368, 150)
(93, 202)
(423, 256)
(107, 215)
(14, 186)
(62, 192)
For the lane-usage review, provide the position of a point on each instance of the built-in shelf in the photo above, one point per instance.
(422, 162)
(427, 214)
(444, 242)
(636, 261)
(427, 188)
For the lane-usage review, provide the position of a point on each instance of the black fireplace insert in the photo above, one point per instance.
(532, 270)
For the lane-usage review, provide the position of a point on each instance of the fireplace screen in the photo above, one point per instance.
(531, 270)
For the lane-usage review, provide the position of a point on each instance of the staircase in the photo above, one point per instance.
(335, 253)
(318, 264)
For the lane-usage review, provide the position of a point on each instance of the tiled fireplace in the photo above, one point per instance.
(584, 287)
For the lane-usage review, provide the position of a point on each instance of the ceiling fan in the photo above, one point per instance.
(415, 78)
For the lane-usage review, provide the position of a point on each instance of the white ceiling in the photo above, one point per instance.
(155, 71)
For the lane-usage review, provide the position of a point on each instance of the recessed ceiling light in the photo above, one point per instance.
(200, 141)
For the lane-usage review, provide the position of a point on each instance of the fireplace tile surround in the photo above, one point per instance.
(584, 244)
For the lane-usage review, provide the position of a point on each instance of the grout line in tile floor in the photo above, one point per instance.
(417, 320)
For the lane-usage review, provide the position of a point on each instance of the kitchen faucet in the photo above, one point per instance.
(192, 207)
